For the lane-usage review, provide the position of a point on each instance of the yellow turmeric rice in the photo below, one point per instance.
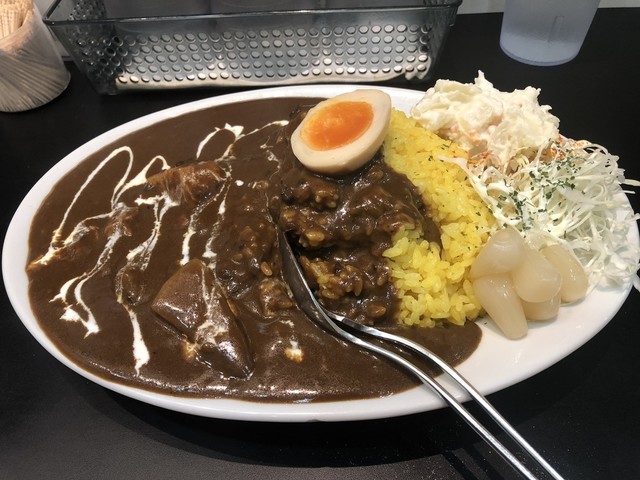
(432, 280)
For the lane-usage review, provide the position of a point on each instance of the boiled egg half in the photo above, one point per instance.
(339, 135)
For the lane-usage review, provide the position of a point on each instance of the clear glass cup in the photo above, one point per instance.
(545, 32)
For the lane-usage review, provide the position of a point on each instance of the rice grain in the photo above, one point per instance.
(431, 280)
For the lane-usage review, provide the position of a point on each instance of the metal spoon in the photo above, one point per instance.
(335, 323)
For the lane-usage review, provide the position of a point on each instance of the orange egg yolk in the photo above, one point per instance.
(337, 125)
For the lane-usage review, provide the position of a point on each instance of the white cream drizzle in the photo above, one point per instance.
(186, 240)
(142, 253)
(235, 129)
(140, 350)
(70, 313)
(209, 253)
(210, 328)
(71, 292)
(193, 220)
(272, 157)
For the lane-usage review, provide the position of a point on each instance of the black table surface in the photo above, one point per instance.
(581, 413)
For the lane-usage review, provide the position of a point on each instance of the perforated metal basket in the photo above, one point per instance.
(152, 44)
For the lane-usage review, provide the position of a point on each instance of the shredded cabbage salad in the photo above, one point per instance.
(565, 191)
(574, 198)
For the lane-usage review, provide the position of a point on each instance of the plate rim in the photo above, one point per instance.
(416, 400)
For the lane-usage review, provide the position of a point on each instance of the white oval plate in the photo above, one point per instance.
(496, 364)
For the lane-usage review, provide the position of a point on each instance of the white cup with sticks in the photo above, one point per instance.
(32, 72)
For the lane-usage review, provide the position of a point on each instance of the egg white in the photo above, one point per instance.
(350, 157)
